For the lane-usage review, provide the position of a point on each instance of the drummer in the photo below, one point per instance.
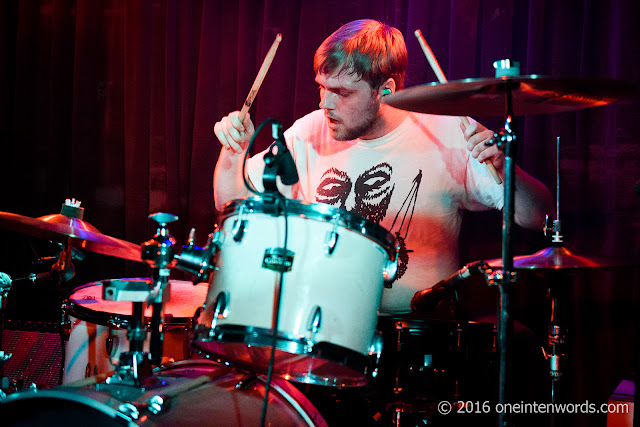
(411, 173)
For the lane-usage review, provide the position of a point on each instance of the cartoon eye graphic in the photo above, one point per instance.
(334, 188)
(373, 190)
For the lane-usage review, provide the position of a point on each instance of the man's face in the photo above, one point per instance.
(350, 105)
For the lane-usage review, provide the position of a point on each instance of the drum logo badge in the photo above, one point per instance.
(277, 260)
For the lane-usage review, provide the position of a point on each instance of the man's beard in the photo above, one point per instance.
(350, 134)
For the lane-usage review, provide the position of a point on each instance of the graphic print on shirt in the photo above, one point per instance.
(372, 193)
(373, 190)
(401, 238)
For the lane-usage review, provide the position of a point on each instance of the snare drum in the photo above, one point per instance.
(195, 392)
(329, 301)
(99, 328)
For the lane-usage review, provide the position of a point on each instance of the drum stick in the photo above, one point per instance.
(442, 79)
(260, 77)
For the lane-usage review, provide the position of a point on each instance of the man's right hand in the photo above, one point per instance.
(233, 134)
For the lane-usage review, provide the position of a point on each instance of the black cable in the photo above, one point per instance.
(279, 199)
(247, 184)
(267, 385)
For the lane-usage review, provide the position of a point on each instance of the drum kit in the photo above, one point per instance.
(259, 343)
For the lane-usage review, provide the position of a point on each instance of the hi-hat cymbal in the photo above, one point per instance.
(81, 234)
(533, 94)
(555, 258)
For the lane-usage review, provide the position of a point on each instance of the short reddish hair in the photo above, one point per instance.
(367, 48)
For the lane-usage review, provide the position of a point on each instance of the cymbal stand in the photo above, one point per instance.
(159, 255)
(556, 336)
(505, 140)
(157, 252)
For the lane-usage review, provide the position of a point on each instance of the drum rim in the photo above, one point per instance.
(68, 394)
(253, 336)
(102, 400)
(320, 212)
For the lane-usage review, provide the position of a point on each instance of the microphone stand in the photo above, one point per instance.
(278, 162)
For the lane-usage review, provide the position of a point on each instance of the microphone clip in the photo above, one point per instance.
(278, 162)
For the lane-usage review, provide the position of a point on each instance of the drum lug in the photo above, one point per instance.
(316, 320)
(239, 225)
(111, 344)
(391, 269)
(158, 403)
(331, 238)
(220, 310)
(330, 241)
(65, 330)
(129, 410)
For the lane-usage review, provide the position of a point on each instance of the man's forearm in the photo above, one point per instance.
(227, 179)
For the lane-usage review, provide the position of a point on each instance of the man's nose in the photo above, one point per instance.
(326, 102)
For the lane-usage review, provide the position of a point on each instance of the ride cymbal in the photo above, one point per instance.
(81, 234)
(533, 94)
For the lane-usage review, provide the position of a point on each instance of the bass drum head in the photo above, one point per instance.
(186, 393)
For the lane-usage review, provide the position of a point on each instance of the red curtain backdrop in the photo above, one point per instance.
(113, 102)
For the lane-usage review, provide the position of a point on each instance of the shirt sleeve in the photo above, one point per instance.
(482, 191)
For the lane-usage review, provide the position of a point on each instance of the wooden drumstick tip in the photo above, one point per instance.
(260, 77)
(435, 66)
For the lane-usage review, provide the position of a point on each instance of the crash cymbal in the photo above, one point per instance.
(81, 234)
(555, 258)
(533, 94)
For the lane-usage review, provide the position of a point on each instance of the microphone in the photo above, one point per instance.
(287, 167)
(426, 300)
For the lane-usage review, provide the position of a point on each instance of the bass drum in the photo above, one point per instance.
(187, 393)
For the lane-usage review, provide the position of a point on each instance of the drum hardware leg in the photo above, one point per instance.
(134, 364)
(159, 255)
(555, 341)
(375, 352)
(399, 410)
(5, 286)
(65, 333)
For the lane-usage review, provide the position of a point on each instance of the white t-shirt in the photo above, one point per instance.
(414, 181)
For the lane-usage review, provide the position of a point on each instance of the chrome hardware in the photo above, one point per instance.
(245, 382)
(112, 343)
(129, 410)
(157, 403)
(391, 269)
(316, 320)
(375, 351)
(220, 310)
(331, 238)
(239, 225)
